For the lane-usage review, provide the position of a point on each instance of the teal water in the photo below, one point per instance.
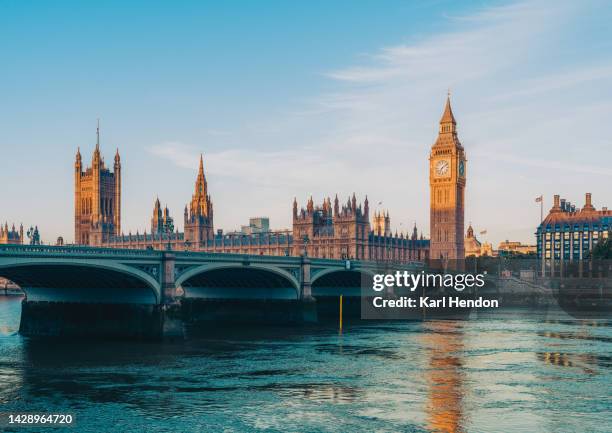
(520, 373)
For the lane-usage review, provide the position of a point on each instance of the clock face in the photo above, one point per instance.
(461, 168)
(442, 167)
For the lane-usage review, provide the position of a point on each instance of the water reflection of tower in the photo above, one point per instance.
(444, 344)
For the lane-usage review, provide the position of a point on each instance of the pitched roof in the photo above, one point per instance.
(447, 116)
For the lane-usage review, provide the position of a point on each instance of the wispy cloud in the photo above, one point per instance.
(488, 41)
(572, 78)
(373, 131)
(550, 165)
(264, 168)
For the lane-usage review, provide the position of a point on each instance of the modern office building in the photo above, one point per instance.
(256, 225)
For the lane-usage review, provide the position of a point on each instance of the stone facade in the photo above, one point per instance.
(475, 248)
(12, 235)
(509, 248)
(341, 232)
(382, 224)
(326, 231)
(334, 231)
(97, 199)
(199, 215)
(161, 222)
(447, 178)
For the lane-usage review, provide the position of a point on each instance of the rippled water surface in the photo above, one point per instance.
(525, 373)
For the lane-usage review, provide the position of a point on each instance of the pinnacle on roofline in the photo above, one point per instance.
(98, 135)
(447, 116)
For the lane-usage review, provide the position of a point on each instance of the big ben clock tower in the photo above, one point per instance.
(447, 173)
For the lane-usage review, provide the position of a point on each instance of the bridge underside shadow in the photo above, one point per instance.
(328, 288)
(83, 284)
(85, 300)
(343, 282)
(240, 283)
(243, 295)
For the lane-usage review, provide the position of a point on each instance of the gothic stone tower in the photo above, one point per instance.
(161, 222)
(199, 214)
(338, 233)
(447, 174)
(97, 199)
(382, 224)
(352, 229)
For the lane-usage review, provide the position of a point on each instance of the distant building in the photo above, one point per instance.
(382, 224)
(198, 216)
(326, 231)
(447, 181)
(11, 236)
(256, 225)
(97, 198)
(330, 230)
(568, 233)
(507, 248)
(161, 222)
(474, 248)
(344, 232)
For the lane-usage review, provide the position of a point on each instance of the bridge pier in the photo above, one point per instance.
(129, 321)
(171, 313)
(308, 303)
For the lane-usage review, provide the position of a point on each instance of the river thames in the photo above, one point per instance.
(512, 372)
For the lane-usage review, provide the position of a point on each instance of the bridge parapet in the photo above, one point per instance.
(70, 251)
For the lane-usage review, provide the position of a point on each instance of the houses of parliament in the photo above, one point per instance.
(333, 229)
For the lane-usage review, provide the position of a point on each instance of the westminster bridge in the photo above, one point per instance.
(76, 290)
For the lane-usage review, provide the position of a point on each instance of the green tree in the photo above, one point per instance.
(603, 248)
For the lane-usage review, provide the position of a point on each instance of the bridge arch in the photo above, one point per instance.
(336, 282)
(82, 281)
(232, 281)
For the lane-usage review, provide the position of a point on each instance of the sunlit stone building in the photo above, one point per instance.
(475, 248)
(326, 231)
(12, 235)
(97, 199)
(447, 181)
(329, 230)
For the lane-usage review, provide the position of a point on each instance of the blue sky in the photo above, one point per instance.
(291, 99)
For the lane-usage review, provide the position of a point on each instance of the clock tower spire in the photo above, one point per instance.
(447, 178)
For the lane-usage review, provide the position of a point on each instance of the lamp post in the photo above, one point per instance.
(34, 236)
(540, 200)
(306, 241)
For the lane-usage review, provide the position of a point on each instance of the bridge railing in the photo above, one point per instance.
(81, 250)
(235, 257)
(15, 249)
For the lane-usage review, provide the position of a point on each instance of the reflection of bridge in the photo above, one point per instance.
(75, 277)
